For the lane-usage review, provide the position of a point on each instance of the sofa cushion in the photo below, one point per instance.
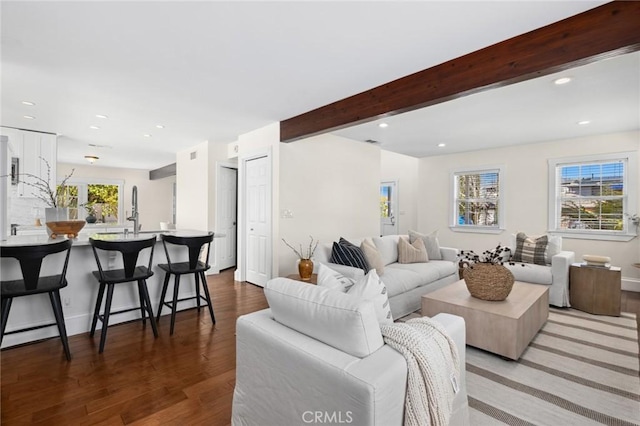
(530, 273)
(414, 252)
(530, 249)
(388, 248)
(345, 322)
(372, 255)
(372, 288)
(334, 280)
(346, 253)
(430, 242)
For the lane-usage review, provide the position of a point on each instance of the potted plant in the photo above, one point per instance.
(91, 212)
(305, 264)
(484, 274)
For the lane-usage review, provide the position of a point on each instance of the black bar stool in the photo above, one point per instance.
(193, 266)
(130, 249)
(30, 258)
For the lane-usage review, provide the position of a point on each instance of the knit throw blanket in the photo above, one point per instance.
(433, 369)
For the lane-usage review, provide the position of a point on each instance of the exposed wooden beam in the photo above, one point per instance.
(163, 172)
(606, 31)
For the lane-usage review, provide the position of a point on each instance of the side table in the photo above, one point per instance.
(595, 290)
(314, 278)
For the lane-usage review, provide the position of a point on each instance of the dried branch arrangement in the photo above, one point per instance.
(304, 254)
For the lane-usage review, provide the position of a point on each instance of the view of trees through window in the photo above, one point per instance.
(592, 196)
(477, 198)
(99, 200)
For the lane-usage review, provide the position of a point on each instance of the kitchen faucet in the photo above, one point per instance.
(134, 210)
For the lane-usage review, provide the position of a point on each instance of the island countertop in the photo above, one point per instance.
(80, 295)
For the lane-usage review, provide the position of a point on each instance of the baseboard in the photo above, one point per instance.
(631, 284)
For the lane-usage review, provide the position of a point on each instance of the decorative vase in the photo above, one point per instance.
(488, 281)
(91, 219)
(305, 268)
(55, 214)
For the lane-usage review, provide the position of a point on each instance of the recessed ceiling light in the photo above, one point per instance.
(94, 127)
(147, 135)
(102, 116)
(563, 80)
(159, 126)
(29, 117)
(383, 125)
(584, 122)
(28, 103)
(442, 145)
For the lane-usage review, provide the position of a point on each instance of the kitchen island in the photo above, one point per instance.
(79, 297)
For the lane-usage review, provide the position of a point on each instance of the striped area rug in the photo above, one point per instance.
(580, 369)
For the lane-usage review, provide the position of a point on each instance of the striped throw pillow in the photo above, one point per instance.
(346, 253)
(530, 250)
(412, 253)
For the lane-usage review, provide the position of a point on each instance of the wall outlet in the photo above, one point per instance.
(66, 301)
(286, 214)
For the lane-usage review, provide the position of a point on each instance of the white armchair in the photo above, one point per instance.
(285, 376)
(555, 275)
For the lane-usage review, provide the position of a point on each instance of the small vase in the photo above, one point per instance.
(305, 268)
(91, 219)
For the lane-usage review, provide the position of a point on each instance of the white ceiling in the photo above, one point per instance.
(215, 70)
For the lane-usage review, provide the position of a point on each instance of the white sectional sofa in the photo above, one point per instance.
(318, 356)
(406, 283)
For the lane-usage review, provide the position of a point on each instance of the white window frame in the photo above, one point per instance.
(480, 229)
(629, 201)
(83, 183)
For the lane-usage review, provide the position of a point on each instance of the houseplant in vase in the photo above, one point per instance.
(485, 276)
(91, 212)
(305, 264)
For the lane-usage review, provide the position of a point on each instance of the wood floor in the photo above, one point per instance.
(184, 379)
(187, 378)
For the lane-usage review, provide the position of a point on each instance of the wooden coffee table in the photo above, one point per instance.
(505, 328)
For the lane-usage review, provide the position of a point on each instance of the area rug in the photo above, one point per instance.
(580, 369)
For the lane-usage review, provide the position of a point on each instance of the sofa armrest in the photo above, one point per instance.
(347, 271)
(559, 291)
(449, 253)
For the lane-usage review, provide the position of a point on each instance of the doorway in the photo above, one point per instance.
(226, 215)
(388, 208)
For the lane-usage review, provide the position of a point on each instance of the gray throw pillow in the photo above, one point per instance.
(430, 242)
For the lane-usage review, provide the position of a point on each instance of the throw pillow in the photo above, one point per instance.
(371, 287)
(412, 253)
(329, 278)
(430, 242)
(530, 250)
(346, 253)
(372, 255)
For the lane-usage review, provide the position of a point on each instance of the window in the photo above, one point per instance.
(478, 204)
(102, 196)
(591, 197)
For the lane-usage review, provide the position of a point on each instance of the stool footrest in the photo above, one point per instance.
(101, 316)
(36, 327)
(169, 303)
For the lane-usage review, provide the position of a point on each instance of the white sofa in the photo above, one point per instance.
(301, 368)
(555, 274)
(406, 283)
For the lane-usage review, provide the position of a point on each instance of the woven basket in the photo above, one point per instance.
(487, 281)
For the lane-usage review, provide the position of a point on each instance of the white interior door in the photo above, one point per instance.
(388, 208)
(258, 212)
(227, 193)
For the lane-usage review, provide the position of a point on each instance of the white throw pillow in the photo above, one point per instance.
(334, 280)
(388, 248)
(339, 320)
(371, 287)
(430, 242)
(372, 255)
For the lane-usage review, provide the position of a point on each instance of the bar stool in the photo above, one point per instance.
(30, 259)
(193, 266)
(130, 249)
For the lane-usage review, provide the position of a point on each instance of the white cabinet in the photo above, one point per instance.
(31, 148)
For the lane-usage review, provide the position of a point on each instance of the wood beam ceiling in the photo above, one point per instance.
(606, 31)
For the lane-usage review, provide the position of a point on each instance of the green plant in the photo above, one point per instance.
(89, 208)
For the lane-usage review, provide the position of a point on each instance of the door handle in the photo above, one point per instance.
(234, 224)
(251, 229)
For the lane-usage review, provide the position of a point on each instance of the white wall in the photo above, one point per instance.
(404, 170)
(155, 197)
(526, 195)
(192, 188)
(332, 187)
